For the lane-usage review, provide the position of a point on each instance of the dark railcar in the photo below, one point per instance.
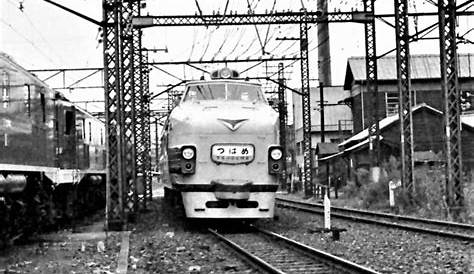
(52, 154)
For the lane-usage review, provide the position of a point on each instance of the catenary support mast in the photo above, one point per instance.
(128, 97)
(371, 83)
(282, 118)
(404, 93)
(452, 107)
(115, 217)
(306, 103)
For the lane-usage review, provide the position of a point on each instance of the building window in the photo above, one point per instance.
(391, 102)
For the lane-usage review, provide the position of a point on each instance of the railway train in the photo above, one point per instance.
(219, 152)
(52, 155)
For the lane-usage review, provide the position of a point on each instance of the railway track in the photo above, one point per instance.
(435, 227)
(273, 253)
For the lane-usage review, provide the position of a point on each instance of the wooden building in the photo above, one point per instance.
(428, 137)
(425, 84)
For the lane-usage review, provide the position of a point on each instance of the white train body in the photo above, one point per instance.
(222, 152)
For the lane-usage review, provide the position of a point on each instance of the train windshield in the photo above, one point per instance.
(224, 91)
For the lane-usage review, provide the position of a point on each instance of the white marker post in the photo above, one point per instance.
(391, 193)
(327, 211)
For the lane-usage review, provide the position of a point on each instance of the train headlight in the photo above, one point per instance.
(225, 73)
(276, 154)
(188, 153)
(275, 160)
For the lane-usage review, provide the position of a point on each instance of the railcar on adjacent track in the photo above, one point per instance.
(52, 155)
(220, 154)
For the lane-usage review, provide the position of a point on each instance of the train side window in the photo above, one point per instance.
(80, 129)
(5, 89)
(27, 89)
(69, 117)
(90, 132)
(43, 106)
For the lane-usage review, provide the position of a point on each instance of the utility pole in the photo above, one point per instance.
(321, 104)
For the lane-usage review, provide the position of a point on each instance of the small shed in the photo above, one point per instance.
(326, 149)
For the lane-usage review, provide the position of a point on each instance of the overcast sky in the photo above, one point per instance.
(42, 36)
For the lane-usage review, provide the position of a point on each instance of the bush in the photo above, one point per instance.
(428, 197)
(375, 194)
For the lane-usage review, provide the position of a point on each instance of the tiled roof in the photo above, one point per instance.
(422, 67)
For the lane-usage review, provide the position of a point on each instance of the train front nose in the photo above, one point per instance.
(232, 178)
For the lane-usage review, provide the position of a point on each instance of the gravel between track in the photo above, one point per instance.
(382, 249)
(163, 242)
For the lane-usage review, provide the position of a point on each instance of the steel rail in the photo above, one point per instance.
(247, 255)
(337, 263)
(302, 207)
(387, 215)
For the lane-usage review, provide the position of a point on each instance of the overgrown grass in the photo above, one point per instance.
(426, 200)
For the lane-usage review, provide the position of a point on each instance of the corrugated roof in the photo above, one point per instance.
(354, 147)
(424, 66)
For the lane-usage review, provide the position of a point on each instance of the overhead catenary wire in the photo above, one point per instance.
(28, 40)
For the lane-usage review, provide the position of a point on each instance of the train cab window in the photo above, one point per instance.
(206, 92)
(224, 91)
(243, 93)
(69, 125)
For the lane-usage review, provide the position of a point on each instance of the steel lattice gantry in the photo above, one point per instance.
(306, 103)
(248, 19)
(146, 120)
(371, 84)
(282, 115)
(452, 107)
(126, 113)
(141, 105)
(115, 217)
(302, 18)
(128, 98)
(404, 93)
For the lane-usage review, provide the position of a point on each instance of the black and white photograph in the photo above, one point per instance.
(236, 136)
